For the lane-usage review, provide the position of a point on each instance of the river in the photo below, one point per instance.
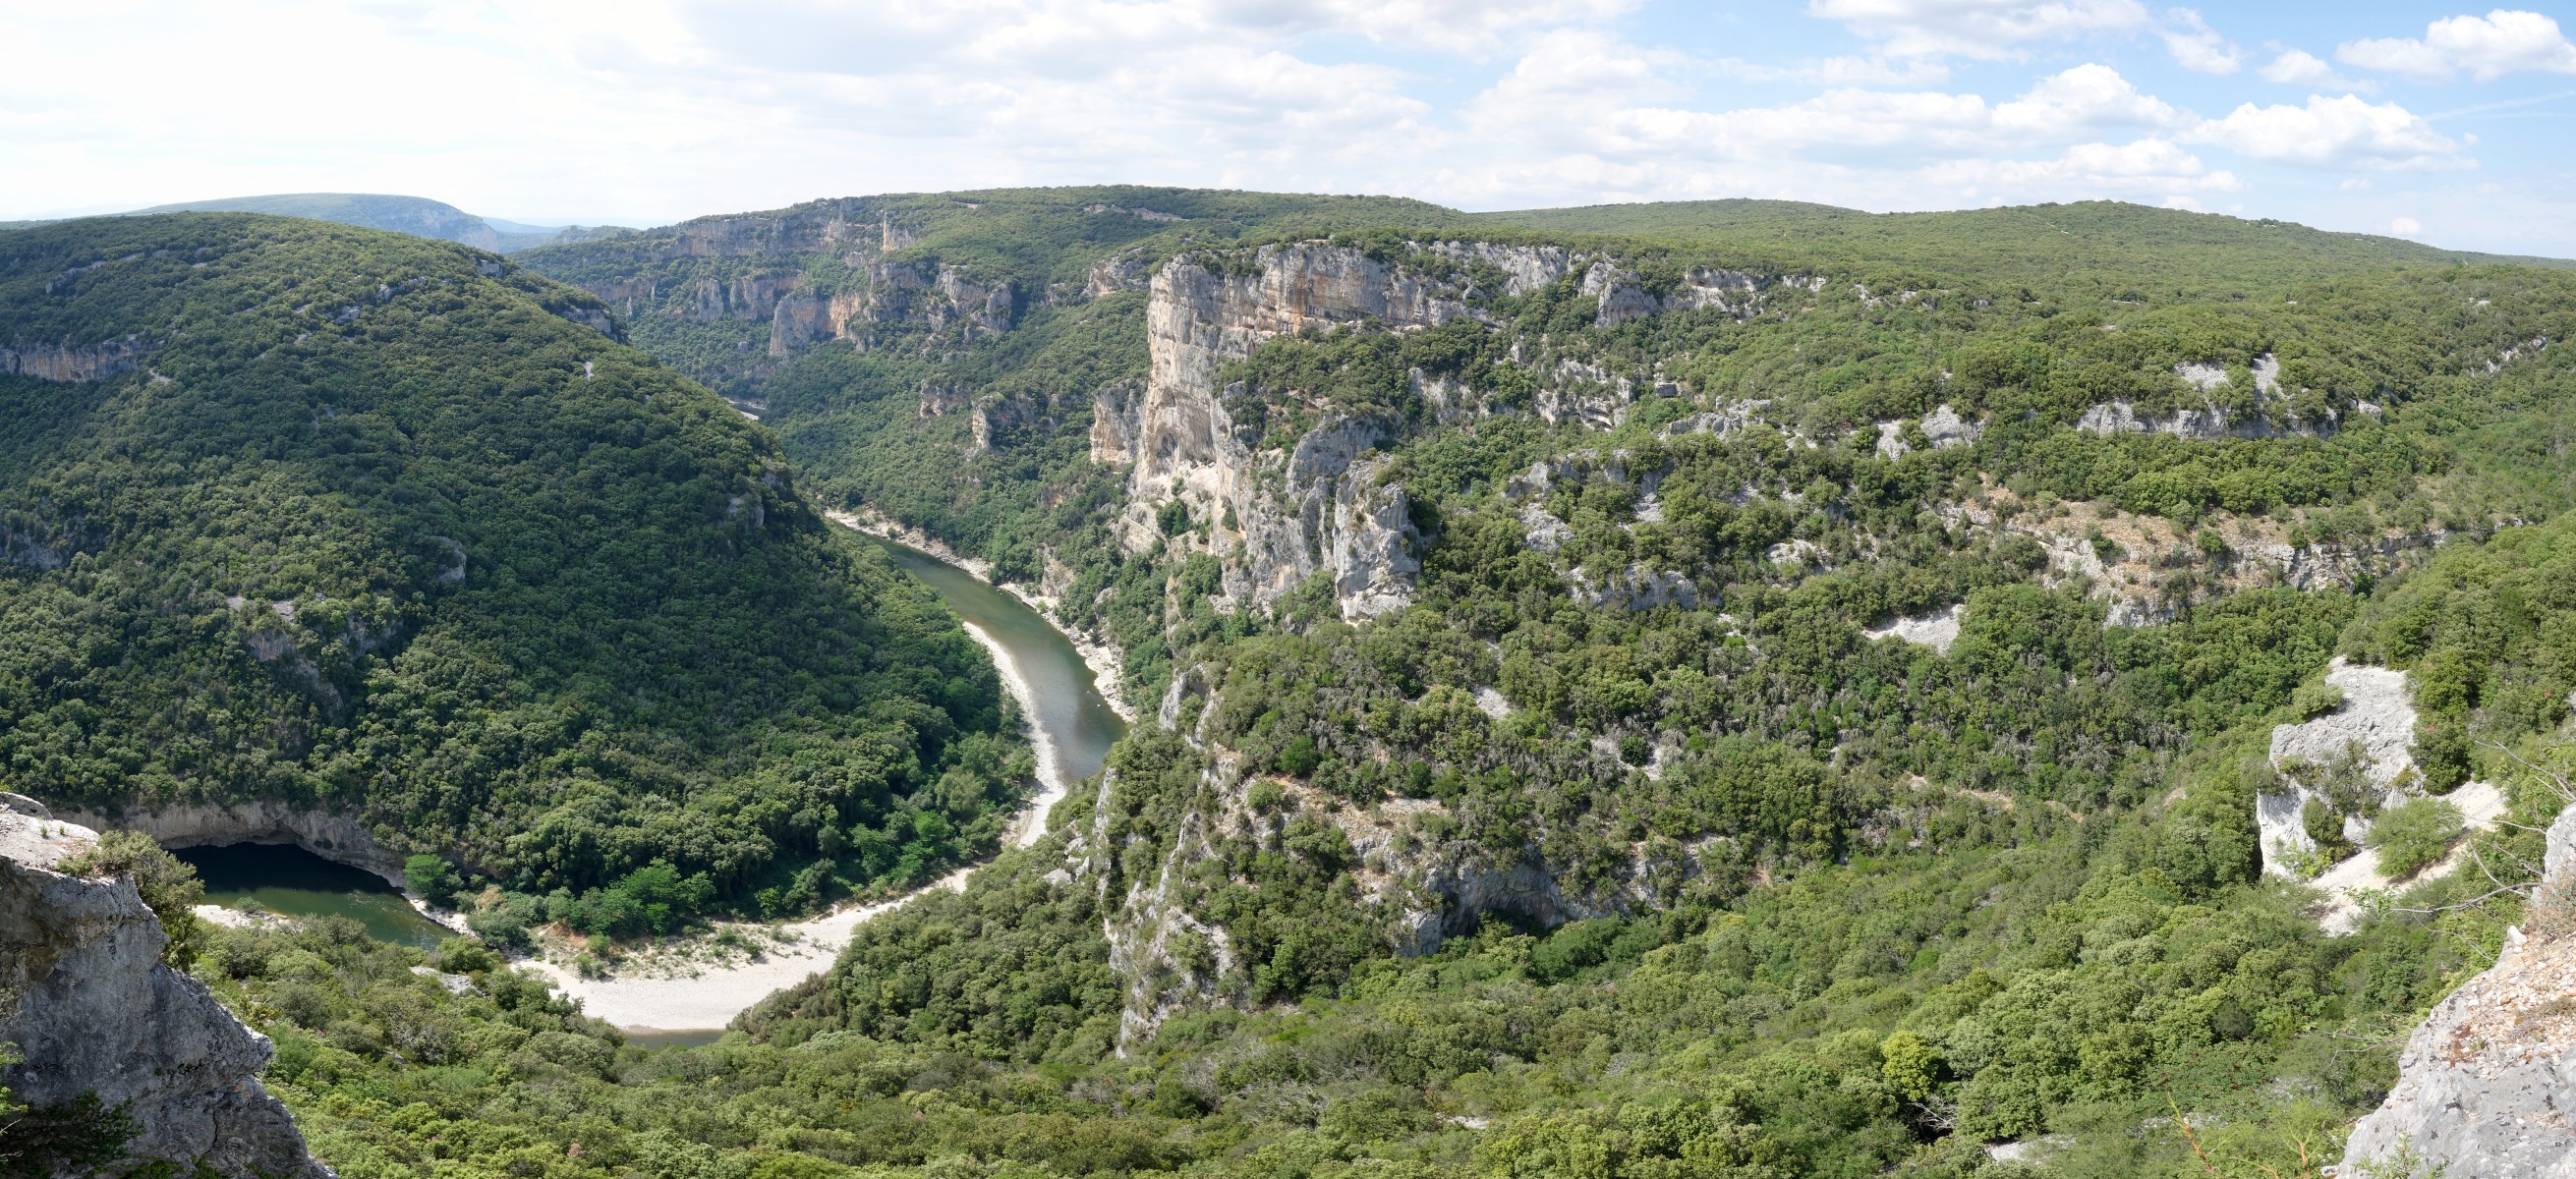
(1072, 727)
(1071, 721)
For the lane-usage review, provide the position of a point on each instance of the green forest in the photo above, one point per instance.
(1790, 894)
(386, 526)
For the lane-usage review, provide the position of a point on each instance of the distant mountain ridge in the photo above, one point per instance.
(418, 216)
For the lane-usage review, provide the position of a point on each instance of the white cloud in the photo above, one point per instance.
(1988, 30)
(2079, 101)
(2405, 227)
(2298, 67)
(2345, 132)
(2485, 47)
(2197, 47)
(2150, 166)
(1839, 71)
(645, 111)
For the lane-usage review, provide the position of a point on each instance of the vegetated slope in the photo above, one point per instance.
(730, 297)
(361, 521)
(1523, 608)
(2119, 250)
(418, 216)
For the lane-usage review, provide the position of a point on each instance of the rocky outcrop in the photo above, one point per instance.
(98, 1013)
(1118, 272)
(1638, 587)
(2482, 1087)
(330, 836)
(1737, 293)
(2209, 420)
(801, 320)
(997, 419)
(1115, 423)
(73, 362)
(2375, 722)
(1274, 518)
(1524, 268)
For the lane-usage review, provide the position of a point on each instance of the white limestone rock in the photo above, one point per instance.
(2486, 1082)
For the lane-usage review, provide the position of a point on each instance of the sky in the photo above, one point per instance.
(2445, 124)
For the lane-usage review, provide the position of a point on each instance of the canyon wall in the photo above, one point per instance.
(1274, 517)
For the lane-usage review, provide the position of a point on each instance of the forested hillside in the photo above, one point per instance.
(1739, 690)
(360, 522)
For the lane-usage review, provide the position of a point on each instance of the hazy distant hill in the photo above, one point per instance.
(418, 216)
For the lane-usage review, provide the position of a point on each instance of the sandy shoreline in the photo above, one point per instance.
(710, 997)
(700, 998)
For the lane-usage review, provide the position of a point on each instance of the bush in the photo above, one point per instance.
(2441, 753)
(432, 878)
(462, 955)
(1300, 757)
(169, 888)
(2315, 700)
(2413, 836)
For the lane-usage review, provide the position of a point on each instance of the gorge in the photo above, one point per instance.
(1729, 688)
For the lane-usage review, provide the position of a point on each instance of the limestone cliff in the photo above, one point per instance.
(1422, 881)
(97, 1012)
(72, 362)
(1274, 517)
(262, 821)
(2484, 1085)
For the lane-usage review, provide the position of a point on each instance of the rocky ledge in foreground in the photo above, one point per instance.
(96, 1012)
(2487, 1085)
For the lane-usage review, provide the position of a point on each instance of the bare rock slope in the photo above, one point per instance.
(97, 1012)
(2487, 1083)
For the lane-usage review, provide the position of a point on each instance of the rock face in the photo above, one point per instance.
(2210, 420)
(329, 836)
(1624, 295)
(97, 1012)
(1274, 518)
(72, 362)
(2484, 1085)
(2375, 717)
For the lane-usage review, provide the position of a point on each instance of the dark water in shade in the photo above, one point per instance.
(1070, 709)
(288, 880)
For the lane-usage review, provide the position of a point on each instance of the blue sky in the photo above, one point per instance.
(2443, 123)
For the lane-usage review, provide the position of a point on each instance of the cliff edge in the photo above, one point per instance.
(97, 1012)
(2487, 1084)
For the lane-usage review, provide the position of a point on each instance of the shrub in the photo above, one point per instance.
(2412, 836)
(1300, 757)
(2441, 753)
(2315, 700)
(432, 878)
(169, 888)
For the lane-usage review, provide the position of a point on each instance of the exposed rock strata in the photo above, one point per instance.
(1738, 293)
(330, 836)
(2484, 1086)
(73, 362)
(97, 1012)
